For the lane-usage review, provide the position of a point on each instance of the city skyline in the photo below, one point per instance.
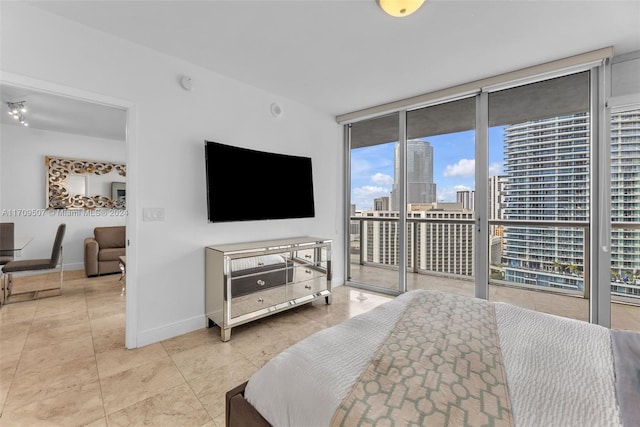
(453, 166)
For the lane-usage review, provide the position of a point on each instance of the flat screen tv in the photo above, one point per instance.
(250, 185)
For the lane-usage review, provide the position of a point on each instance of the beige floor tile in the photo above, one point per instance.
(251, 337)
(100, 422)
(106, 310)
(16, 313)
(43, 358)
(8, 366)
(136, 384)
(302, 330)
(117, 360)
(75, 407)
(211, 388)
(51, 319)
(267, 352)
(204, 336)
(110, 340)
(37, 384)
(175, 407)
(9, 330)
(44, 337)
(13, 342)
(201, 360)
(105, 324)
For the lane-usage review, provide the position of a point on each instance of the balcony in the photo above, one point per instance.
(554, 298)
(623, 315)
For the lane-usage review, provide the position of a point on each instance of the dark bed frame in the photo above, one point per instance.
(239, 412)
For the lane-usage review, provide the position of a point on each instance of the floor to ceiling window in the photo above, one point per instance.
(541, 131)
(441, 195)
(625, 218)
(499, 192)
(373, 230)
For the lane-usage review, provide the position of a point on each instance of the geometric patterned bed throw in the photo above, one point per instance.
(440, 366)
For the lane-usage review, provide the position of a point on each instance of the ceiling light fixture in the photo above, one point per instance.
(399, 8)
(17, 110)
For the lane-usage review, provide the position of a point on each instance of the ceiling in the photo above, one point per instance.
(57, 113)
(340, 56)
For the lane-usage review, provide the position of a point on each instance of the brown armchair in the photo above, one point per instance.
(101, 251)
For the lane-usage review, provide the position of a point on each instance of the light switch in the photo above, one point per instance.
(153, 214)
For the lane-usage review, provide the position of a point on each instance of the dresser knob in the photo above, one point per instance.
(308, 271)
(261, 282)
(307, 256)
(260, 299)
(307, 286)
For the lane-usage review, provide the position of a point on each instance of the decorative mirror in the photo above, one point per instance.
(85, 184)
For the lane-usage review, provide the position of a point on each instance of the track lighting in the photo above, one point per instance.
(17, 110)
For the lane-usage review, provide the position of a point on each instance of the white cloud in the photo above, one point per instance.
(370, 191)
(464, 168)
(448, 194)
(382, 179)
(363, 197)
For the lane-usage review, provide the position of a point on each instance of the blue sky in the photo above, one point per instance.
(453, 166)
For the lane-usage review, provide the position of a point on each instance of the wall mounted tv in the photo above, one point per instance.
(249, 185)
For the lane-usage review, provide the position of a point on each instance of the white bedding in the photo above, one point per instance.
(559, 371)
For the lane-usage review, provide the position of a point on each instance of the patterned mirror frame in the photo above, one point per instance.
(59, 169)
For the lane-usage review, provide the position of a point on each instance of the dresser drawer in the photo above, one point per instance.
(303, 272)
(257, 301)
(314, 257)
(307, 287)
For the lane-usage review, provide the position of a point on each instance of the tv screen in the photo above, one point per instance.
(248, 185)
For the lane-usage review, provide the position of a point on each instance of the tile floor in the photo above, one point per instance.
(63, 360)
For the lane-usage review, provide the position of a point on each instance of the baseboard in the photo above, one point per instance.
(154, 335)
(74, 266)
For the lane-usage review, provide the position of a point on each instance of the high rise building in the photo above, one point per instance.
(547, 166)
(625, 202)
(442, 246)
(381, 204)
(496, 196)
(466, 198)
(420, 185)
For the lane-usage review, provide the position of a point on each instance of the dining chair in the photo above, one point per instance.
(44, 264)
(6, 242)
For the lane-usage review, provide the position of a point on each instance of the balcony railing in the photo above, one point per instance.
(526, 265)
(384, 277)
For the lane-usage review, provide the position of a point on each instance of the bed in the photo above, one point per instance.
(434, 358)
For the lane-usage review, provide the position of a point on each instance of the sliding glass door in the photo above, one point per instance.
(373, 233)
(625, 218)
(539, 222)
(499, 194)
(440, 179)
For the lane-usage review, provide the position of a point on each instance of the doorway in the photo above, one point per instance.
(70, 104)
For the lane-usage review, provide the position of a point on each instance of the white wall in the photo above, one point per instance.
(167, 170)
(23, 174)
